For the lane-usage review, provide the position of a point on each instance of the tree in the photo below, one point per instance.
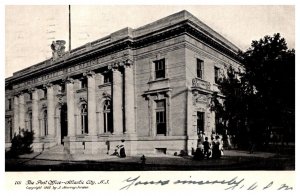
(262, 97)
(21, 143)
(270, 72)
(229, 105)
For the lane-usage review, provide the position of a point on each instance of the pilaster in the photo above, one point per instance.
(35, 113)
(21, 111)
(16, 114)
(50, 110)
(129, 98)
(91, 103)
(117, 100)
(70, 106)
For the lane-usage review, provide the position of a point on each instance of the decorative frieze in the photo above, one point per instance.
(200, 100)
(99, 62)
(196, 82)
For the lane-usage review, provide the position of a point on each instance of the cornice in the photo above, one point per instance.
(99, 52)
(178, 29)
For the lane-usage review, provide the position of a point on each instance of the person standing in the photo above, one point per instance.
(206, 146)
(199, 155)
(122, 149)
(216, 152)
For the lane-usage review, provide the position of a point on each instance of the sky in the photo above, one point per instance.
(29, 30)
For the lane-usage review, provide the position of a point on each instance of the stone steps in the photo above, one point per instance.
(59, 149)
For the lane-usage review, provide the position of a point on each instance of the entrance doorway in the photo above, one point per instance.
(63, 122)
(200, 122)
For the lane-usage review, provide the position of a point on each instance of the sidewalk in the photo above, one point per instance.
(95, 157)
(232, 160)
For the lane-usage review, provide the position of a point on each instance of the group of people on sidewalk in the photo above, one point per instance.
(205, 148)
(209, 149)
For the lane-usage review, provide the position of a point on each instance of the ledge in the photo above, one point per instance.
(158, 80)
(104, 85)
(199, 89)
(81, 90)
(155, 138)
(157, 91)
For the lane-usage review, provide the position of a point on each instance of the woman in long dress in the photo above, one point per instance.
(122, 149)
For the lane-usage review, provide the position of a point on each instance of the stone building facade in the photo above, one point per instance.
(150, 86)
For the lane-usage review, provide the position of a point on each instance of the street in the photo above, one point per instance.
(232, 160)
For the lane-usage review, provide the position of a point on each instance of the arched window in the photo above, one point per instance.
(84, 119)
(11, 134)
(45, 123)
(108, 128)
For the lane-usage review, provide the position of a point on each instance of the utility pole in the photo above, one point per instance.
(69, 27)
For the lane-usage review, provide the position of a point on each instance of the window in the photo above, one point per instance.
(161, 128)
(84, 119)
(62, 88)
(159, 68)
(45, 123)
(107, 77)
(83, 83)
(9, 104)
(236, 74)
(108, 120)
(200, 122)
(217, 75)
(200, 65)
(45, 94)
(11, 134)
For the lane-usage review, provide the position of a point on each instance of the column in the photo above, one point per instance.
(77, 112)
(57, 129)
(16, 114)
(117, 100)
(92, 122)
(50, 110)
(21, 111)
(129, 98)
(70, 106)
(191, 132)
(35, 113)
